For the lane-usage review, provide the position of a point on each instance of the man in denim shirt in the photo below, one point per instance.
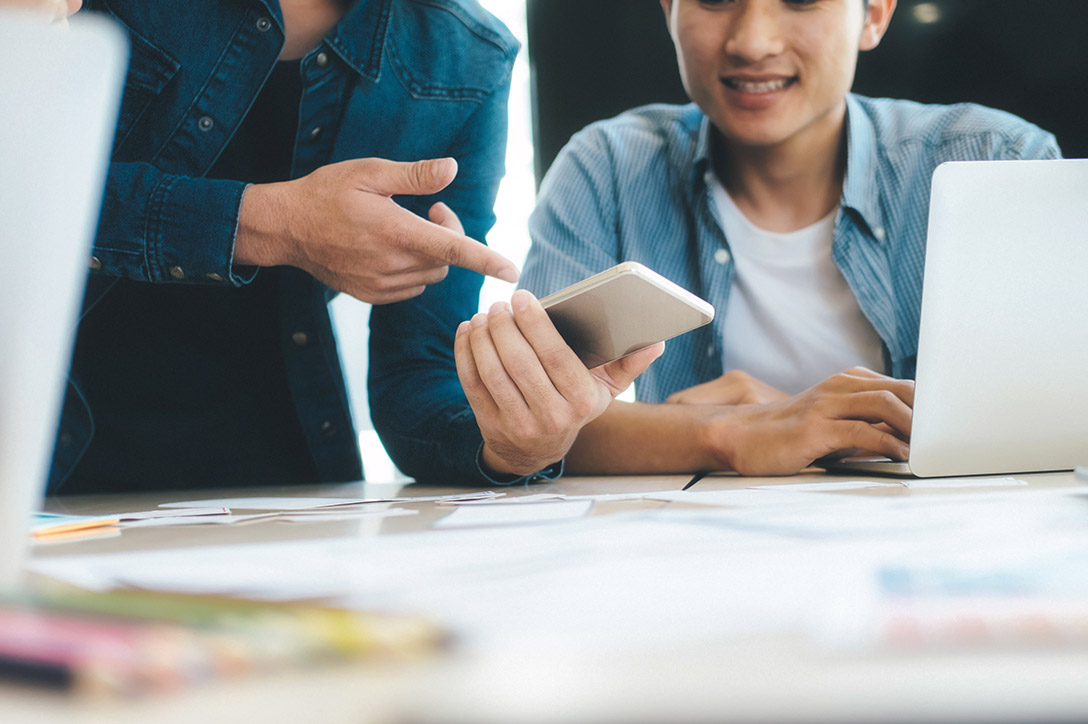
(258, 154)
(798, 209)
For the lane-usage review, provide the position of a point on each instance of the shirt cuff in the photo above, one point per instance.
(547, 475)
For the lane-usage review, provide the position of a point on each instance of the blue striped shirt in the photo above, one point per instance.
(637, 188)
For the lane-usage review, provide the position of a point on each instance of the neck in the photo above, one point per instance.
(306, 23)
(787, 186)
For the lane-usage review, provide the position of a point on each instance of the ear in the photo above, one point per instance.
(877, 18)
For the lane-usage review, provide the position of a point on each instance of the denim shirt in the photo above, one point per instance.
(637, 188)
(396, 79)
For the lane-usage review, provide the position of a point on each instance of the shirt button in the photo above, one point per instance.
(177, 272)
(722, 256)
(205, 123)
(315, 132)
(96, 263)
(322, 59)
(327, 429)
(264, 24)
(878, 232)
(301, 339)
(710, 351)
(214, 277)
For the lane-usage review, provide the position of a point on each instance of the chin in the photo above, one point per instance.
(749, 136)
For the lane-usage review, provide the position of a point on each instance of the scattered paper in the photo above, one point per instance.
(507, 514)
(781, 563)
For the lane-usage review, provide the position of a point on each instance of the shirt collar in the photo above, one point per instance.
(702, 163)
(861, 187)
(359, 37)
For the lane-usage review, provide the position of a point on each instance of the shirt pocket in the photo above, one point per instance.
(150, 69)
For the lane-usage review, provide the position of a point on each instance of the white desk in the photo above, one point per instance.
(766, 676)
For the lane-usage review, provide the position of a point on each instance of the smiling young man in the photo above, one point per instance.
(795, 207)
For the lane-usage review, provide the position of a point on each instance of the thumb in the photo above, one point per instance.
(619, 374)
(416, 178)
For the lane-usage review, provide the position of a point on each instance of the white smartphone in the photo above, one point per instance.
(622, 310)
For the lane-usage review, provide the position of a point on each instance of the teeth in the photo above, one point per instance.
(765, 86)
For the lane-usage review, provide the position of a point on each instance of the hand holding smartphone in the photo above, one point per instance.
(622, 310)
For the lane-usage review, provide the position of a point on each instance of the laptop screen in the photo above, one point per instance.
(61, 89)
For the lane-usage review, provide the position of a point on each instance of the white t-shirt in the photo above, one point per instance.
(791, 320)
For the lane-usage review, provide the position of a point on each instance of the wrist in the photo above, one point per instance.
(550, 472)
(262, 226)
(716, 437)
(498, 467)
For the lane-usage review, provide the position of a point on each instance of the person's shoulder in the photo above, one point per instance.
(452, 43)
(968, 129)
(462, 14)
(657, 126)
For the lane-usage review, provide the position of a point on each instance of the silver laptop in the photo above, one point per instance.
(1002, 376)
(60, 91)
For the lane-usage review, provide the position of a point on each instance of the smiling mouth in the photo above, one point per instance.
(758, 86)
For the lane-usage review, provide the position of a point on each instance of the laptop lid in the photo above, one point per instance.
(1002, 374)
(60, 90)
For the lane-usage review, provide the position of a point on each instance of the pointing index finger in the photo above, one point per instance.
(450, 247)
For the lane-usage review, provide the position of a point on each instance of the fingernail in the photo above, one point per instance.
(440, 168)
(500, 308)
(462, 328)
(521, 300)
(509, 274)
(479, 319)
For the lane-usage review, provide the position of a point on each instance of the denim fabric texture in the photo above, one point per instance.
(395, 79)
(635, 188)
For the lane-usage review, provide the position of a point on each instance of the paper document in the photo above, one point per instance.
(507, 514)
(824, 487)
(539, 497)
(313, 516)
(962, 483)
(172, 513)
(746, 497)
(197, 520)
(266, 503)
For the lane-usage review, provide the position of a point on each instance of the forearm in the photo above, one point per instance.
(633, 438)
(158, 227)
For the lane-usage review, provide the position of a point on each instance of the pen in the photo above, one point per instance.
(696, 478)
(50, 674)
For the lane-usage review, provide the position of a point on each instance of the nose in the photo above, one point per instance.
(754, 31)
